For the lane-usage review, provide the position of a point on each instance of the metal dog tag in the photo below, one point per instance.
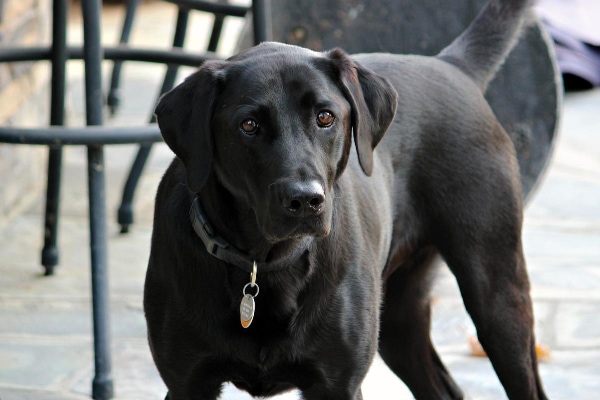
(247, 306)
(247, 310)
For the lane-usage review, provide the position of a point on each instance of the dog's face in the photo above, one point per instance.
(275, 125)
(279, 139)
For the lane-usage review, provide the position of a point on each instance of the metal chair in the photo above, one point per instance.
(94, 136)
(221, 9)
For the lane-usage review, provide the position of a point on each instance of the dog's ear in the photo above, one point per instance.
(184, 116)
(373, 102)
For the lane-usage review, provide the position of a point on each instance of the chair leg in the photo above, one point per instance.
(261, 21)
(113, 99)
(215, 35)
(102, 384)
(125, 215)
(50, 252)
(262, 32)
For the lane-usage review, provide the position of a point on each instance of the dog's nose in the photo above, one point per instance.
(302, 198)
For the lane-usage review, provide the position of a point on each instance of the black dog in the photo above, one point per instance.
(344, 241)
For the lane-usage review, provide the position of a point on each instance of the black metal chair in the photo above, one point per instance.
(221, 9)
(94, 136)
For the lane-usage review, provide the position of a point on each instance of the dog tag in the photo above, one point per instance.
(247, 306)
(247, 310)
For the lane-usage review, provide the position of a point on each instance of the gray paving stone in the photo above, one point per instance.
(42, 363)
(61, 319)
(18, 394)
(556, 243)
(135, 375)
(578, 325)
(564, 279)
(21, 275)
(572, 375)
(567, 197)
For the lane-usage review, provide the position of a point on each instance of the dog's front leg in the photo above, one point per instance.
(343, 361)
(341, 368)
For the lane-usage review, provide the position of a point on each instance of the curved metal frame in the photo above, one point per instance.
(95, 137)
(262, 32)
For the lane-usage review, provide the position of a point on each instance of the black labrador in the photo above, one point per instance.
(285, 257)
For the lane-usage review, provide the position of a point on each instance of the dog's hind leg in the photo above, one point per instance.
(405, 342)
(495, 289)
(478, 233)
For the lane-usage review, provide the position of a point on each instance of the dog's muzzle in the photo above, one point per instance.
(299, 199)
(296, 209)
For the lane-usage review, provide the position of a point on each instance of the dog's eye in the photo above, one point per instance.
(325, 118)
(249, 126)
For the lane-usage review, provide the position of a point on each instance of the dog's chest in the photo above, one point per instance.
(261, 360)
(261, 381)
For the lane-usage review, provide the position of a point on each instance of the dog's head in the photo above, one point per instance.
(274, 124)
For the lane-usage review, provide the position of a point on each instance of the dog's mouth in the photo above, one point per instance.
(317, 226)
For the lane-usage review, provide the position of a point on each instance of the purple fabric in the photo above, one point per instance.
(578, 18)
(575, 28)
(576, 57)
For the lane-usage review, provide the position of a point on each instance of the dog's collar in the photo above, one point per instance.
(221, 249)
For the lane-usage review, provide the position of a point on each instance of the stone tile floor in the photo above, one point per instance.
(45, 322)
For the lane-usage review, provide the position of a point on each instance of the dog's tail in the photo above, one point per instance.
(482, 48)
